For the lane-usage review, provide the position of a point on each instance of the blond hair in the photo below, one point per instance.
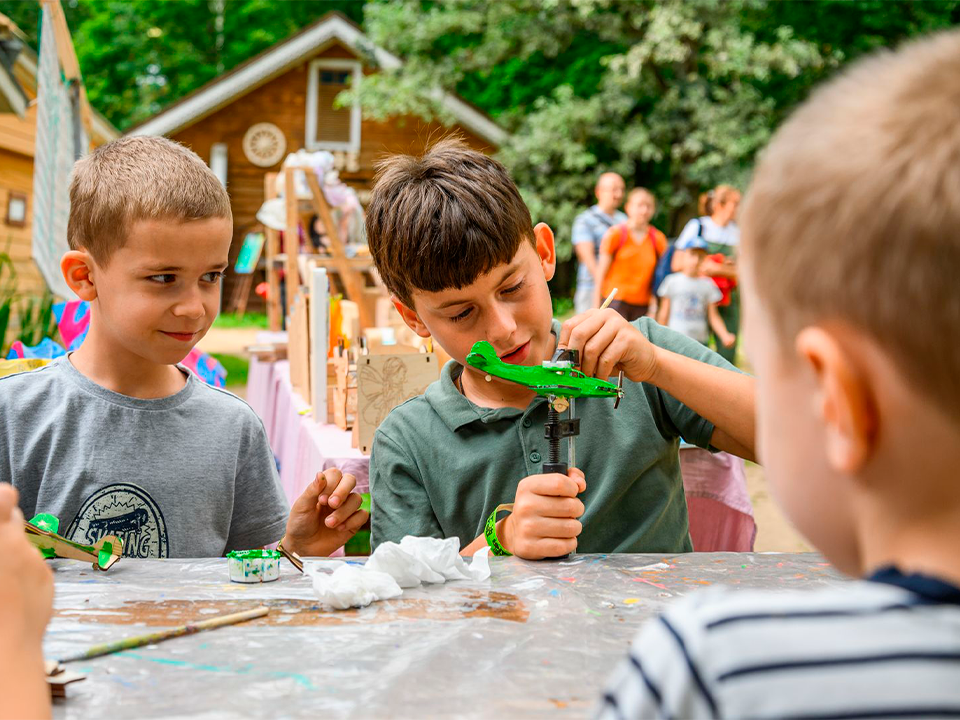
(138, 178)
(854, 210)
(709, 200)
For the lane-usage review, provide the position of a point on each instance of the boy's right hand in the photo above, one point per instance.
(544, 519)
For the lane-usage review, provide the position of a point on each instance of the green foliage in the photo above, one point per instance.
(230, 321)
(138, 56)
(676, 95)
(8, 292)
(237, 368)
(37, 320)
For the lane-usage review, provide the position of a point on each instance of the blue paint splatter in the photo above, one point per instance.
(555, 593)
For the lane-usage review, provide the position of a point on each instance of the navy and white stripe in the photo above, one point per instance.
(888, 648)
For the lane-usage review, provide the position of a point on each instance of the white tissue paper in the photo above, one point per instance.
(353, 586)
(414, 561)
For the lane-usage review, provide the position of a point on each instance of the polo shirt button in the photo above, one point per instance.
(535, 456)
(526, 422)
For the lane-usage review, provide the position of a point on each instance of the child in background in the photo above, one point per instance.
(26, 600)
(845, 237)
(628, 257)
(715, 484)
(688, 301)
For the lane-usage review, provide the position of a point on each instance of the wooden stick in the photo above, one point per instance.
(606, 303)
(188, 629)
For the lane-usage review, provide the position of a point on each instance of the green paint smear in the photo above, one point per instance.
(254, 555)
(50, 523)
(106, 552)
(302, 680)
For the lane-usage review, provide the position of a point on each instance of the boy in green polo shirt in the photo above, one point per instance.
(454, 243)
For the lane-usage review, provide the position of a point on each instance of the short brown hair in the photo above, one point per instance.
(138, 178)
(444, 219)
(718, 196)
(854, 212)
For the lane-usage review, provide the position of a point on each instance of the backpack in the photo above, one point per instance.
(624, 234)
(664, 264)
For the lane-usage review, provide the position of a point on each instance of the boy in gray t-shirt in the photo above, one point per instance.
(117, 438)
(688, 302)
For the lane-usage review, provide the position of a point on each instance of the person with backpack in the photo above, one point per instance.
(629, 254)
(588, 230)
(716, 226)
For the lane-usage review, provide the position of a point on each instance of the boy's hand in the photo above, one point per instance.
(608, 344)
(728, 340)
(544, 518)
(27, 597)
(325, 516)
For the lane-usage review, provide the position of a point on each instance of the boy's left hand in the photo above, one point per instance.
(325, 516)
(608, 344)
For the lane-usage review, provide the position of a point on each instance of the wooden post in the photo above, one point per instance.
(319, 342)
(352, 280)
(272, 250)
(291, 236)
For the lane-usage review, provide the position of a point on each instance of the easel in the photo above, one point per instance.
(349, 270)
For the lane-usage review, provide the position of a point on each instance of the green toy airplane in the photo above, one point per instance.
(42, 530)
(553, 378)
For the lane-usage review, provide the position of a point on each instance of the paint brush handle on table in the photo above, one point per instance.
(150, 639)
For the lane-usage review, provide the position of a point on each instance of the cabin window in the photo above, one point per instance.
(330, 127)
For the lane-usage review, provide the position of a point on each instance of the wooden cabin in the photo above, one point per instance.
(245, 122)
(18, 130)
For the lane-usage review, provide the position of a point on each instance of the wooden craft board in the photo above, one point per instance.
(385, 381)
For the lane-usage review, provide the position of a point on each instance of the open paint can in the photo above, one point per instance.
(253, 566)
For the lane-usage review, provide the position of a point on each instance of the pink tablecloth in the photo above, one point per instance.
(721, 516)
(302, 447)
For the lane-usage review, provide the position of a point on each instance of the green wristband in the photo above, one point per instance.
(490, 530)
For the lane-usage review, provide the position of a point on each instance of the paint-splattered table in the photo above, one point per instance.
(537, 639)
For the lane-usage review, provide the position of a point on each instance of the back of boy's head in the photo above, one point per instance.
(854, 213)
(133, 179)
(444, 219)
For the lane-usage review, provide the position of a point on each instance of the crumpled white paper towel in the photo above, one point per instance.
(353, 586)
(414, 561)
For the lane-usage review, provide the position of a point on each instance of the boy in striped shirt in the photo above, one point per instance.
(852, 258)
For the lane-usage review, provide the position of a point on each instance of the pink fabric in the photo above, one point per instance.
(302, 447)
(721, 516)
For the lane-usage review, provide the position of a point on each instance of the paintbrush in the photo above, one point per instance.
(150, 639)
(606, 303)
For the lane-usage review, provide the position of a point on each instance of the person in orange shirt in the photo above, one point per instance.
(628, 257)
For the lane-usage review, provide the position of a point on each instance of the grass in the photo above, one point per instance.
(237, 368)
(230, 321)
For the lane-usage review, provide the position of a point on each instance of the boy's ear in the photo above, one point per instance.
(411, 318)
(844, 399)
(546, 249)
(77, 268)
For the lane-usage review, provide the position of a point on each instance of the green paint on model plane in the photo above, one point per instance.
(559, 381)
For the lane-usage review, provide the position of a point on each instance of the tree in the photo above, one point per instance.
(138, 56)
(676, 95)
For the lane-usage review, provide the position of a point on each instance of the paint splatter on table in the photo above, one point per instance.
(537, 639)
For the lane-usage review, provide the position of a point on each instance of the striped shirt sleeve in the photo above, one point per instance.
(661, 676)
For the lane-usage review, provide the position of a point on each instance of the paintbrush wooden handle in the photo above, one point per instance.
(152, 638)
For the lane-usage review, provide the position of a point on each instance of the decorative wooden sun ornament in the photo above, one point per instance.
(264, 144)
